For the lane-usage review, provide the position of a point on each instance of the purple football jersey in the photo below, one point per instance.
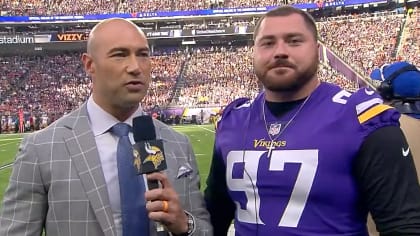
(305, 187)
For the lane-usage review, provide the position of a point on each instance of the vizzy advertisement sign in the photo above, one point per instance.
(71, 36)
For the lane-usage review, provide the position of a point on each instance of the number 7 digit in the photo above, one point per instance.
(309, 163)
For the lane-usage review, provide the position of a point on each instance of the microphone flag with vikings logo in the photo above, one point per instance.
(149, 156)
(148, 151)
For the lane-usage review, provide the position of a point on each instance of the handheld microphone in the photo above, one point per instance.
(148, 152)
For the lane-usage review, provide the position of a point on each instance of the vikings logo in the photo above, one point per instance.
(155, 155)
(137, 161)
(274, 129)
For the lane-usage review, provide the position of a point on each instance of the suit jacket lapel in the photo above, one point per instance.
(84, 154)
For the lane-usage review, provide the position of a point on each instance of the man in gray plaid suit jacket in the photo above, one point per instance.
(64, 178)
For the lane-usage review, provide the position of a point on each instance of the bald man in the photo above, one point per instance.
(65, 179)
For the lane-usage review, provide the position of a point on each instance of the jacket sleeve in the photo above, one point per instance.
(25, 200)
(196, 206)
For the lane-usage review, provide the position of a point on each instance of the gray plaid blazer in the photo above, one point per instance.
(57, 182)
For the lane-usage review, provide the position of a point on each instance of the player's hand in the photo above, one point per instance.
(174, 218)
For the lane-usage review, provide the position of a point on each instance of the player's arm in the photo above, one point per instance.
(219, 204)
(387, 178)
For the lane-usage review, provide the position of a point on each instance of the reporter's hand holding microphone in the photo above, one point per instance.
(163, 203)
(164, 206)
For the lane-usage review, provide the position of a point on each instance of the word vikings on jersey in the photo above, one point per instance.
(306, 188)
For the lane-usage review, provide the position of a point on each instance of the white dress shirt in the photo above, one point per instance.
(101, 123)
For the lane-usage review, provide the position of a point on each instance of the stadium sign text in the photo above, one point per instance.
(71, 37)
(158, 34)
(209, 31)
(16, 39)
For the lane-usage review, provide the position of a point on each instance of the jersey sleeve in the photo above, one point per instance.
(230, 115)
(370, 111)
(385, 174)
(387, 179)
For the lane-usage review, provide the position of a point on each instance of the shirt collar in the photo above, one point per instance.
(96, 113)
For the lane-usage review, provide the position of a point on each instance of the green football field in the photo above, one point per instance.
(201, 136)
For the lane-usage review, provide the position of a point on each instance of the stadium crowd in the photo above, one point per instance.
(81, 7)
(410, 46)
(216, 76)
(363, 41)
(328, 74)
(165, 71)
(54, 85)
(51, 86)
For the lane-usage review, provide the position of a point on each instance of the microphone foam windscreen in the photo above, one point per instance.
(143, 128)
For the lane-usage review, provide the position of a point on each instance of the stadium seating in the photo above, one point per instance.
(363, 41)
(165, 70)
(52, 84)
(410, 45)
(55, 85)
(77, 7)
(217, 76)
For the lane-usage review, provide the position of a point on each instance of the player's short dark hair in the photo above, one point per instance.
(287, 11)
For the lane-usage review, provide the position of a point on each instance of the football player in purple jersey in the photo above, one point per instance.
(307, 158)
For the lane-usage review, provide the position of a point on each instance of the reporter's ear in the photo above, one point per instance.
(88, 63)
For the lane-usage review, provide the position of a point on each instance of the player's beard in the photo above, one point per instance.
(290, 82)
